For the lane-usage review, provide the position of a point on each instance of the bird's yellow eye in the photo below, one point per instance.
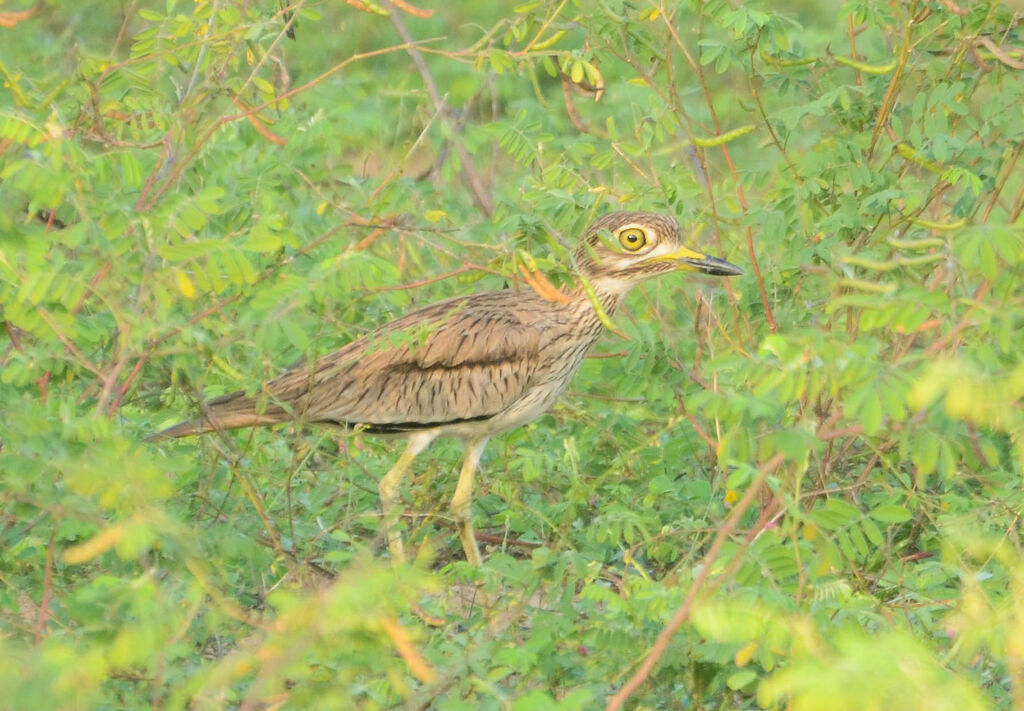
(633, 239)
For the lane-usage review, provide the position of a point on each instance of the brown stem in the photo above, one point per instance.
(700, 583)
(44, 603)
(889, 101)
(999, 188)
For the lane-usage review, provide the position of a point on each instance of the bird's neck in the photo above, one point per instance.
(599, 293)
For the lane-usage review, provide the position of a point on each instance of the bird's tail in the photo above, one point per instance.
(227, 412)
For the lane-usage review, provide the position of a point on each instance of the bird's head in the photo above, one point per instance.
(622, 249)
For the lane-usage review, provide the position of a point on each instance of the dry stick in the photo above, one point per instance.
(772, 326)
(13, 335)
(952, 7)
(128, 14)
(543, 28)
(572, 113)
(260, 127)
(466, 267)
(69, 345)
(853, 47)
(708, 439)
(492, 538)
(401, 166)
(99, 276)
(682, 613)
(116, 402)
(1000, 54)
(162, 165)
(469, 174)
(268, 54)
(1002, 183)
(1018, 205)
(699, 164)
(889, 101)
(108, 385)
(44, 381)
(769, 315)
(44, 603)
(754, 76)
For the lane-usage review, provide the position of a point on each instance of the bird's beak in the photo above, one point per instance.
(690, 260)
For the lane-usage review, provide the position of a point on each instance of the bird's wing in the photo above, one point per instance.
(464, 359)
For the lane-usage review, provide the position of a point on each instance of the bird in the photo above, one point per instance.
(469, 367)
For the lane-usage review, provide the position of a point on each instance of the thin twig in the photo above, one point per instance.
(700, 584)
(455, 272)
(1002, 183)
(889, 100)
(13, 335)
(69, 345)
(44, 603)
(741, 194)
(1000, 54)
(470, 176)
(116, 402)
(853, 46)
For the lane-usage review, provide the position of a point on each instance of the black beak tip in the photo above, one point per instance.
(718, 267)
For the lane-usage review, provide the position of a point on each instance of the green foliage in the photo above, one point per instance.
(190, 201)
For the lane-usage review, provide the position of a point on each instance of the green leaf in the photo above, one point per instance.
(890, 513)
(741, 679)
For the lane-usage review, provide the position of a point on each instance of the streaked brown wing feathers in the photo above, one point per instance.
(467, 358)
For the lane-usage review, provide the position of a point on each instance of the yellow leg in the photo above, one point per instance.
(390, 487)
(463, 499)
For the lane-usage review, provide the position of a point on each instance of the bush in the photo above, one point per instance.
(807, 479)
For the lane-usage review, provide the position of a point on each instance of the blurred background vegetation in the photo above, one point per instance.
(806, 480)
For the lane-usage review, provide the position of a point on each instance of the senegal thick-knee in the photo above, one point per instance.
(469, 367)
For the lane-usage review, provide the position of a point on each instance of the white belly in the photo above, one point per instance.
(528, 408)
